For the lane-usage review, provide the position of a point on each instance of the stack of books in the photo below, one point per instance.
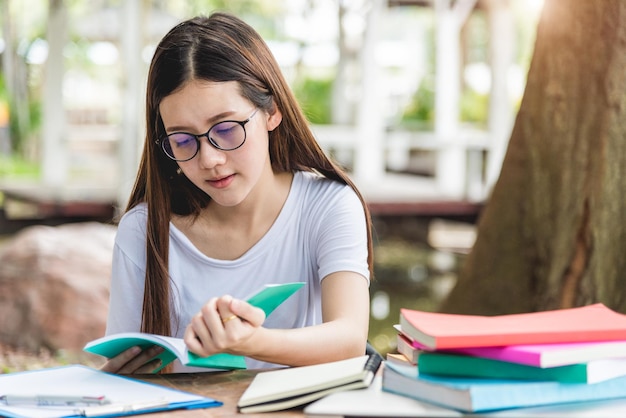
(484, 363)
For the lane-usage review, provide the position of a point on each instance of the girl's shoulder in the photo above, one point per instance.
(319, 196)
(316, 183)
(133, 221)
(137, 213)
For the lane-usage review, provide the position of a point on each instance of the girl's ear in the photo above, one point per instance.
(274, 119)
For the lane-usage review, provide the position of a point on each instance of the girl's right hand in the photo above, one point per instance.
(134, 360)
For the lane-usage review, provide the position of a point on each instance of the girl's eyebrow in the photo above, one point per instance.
(211, 121)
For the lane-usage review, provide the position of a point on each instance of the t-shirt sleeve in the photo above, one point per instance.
(127, 277)
(342, 235)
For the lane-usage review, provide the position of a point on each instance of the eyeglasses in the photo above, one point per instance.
(227, 135)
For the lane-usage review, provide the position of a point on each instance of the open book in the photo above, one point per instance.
(286, 388)
(268, 299)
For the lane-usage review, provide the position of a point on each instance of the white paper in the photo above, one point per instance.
(84, 381)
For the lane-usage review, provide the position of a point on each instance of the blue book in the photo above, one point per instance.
(481, 395)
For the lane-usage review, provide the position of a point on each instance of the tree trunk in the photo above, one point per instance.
(553, 234)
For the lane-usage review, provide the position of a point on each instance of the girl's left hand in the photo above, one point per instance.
(223, 325)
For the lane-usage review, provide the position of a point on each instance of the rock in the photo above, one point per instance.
(54, 286)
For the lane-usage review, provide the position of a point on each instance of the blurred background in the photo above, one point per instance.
(415, 98)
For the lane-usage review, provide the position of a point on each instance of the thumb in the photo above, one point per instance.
(255, 316)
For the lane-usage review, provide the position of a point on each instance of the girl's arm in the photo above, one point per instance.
(343, 333)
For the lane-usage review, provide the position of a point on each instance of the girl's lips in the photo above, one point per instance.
(222, 182)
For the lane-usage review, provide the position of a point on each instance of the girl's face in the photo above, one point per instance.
(227, 176)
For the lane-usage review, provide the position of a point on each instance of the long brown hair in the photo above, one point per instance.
(218, 48)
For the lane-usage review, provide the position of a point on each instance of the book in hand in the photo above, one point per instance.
(550, 355)
(446, 364)
(280, 389)
(583, 324)
(268, 299)
(123, 395)
(483, 395)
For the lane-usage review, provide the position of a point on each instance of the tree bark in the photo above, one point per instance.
(553, 233)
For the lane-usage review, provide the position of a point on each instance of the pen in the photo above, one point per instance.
(116, 409)
(53, 400)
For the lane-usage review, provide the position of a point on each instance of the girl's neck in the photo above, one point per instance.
(229, 232)
(259, 207)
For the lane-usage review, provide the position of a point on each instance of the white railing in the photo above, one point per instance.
(398, 146)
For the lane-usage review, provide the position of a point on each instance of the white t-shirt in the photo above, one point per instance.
(320, 230)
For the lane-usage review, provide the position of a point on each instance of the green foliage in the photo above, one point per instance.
(421, 110)
(20, 134)
(3, 88)
(474, 107)
(315, 97)
(15, 167)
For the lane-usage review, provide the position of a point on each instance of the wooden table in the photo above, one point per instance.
(225, 387)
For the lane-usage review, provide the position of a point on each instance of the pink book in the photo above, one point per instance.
(549, 355)
(538, 355)
(446, 331)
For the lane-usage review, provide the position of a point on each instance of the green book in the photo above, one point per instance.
(436, 363)
(268, 299)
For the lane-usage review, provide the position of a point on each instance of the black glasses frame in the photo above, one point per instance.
(165, 138)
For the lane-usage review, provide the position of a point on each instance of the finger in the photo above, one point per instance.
(255, 316)
(223, 307)
(115, 364)
(211, 316)
(201, 339)
(200, 329)
(132, 360)
(139, 362)
(193, 342)
(151, 367)
(228, 319)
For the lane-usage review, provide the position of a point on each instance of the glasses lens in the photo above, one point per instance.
(180, 146)
(228, 135)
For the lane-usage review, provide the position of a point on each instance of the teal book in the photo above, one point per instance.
(483, 395)
(595, 371)
(268, 299)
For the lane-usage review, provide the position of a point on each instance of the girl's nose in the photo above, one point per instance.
(209, 156)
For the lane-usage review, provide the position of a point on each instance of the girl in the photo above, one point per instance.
(233, 192)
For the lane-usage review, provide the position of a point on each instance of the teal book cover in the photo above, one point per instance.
(469, 366)
(268, 299)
